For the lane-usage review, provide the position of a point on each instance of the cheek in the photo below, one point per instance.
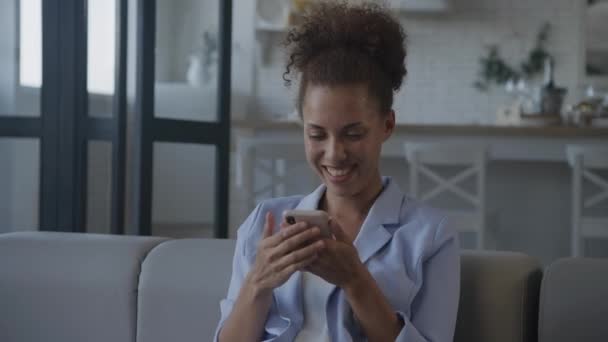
(369, 151)
(312, 151)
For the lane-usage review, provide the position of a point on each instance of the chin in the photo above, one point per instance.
(342, 190)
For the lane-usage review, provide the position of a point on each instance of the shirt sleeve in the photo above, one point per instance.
(435, 307)
(240, 268)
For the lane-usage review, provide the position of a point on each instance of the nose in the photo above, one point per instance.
(335, 151)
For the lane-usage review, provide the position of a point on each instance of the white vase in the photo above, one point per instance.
(193, 75)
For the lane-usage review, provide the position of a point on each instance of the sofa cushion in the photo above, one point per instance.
(181, 285)
(69, 287)
(574, 301)
(498, 297)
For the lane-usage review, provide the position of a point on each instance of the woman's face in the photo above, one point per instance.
(343, 136)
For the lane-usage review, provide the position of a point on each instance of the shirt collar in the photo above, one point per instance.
(385, 211)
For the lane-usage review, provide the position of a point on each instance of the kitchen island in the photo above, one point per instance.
(528, 177)
(542, 143)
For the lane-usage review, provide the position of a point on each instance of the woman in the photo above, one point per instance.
(391, 269)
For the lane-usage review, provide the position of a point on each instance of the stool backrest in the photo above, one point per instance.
(593, 156)
(422, 156)
(582, 159)
(472, 159)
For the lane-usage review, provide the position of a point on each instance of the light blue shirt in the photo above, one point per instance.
(407, 247)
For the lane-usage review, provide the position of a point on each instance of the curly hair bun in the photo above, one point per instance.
(340, 43)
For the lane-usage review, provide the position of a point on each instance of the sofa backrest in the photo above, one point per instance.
(86, 287)
(183, 281)
(181, 285)
(574, 301)
(69, 287)
(498, 297)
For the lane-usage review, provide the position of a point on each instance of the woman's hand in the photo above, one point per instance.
(339, 263)
(280, 255)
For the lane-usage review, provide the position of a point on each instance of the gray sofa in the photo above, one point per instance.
(86, 287)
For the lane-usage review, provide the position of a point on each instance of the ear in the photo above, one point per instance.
(389, 124)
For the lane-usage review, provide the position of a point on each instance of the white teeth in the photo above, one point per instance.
(337, 172)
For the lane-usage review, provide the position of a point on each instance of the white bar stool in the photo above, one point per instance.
(273, 159)
(472, 158)
(583, 159)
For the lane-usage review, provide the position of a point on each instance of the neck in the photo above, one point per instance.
(355, 206)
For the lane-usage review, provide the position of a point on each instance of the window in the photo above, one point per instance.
(30, 43)
(101, 45)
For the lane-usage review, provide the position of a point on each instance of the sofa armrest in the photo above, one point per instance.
(498, 297)
(70, 287)
(574, 301)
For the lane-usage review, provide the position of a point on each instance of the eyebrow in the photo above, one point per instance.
(349, 126)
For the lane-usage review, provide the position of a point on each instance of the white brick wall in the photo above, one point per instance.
(443, 58)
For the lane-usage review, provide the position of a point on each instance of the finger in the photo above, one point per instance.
(338, 232)
(314, 267)
(268, 225)
(286, 272)
(306, 262)
(296, 241)
(299, 255)
(285, 234)
(324, 262)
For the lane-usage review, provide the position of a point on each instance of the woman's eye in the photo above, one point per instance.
(315, 136)
(354, 135)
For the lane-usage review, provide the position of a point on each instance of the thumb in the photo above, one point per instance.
(337, 231)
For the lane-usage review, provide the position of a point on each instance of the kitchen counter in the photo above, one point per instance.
(282, 140)
(532, 143)
(444, 129)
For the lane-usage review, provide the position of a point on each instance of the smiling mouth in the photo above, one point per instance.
(339, 174)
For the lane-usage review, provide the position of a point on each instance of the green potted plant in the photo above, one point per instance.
(495, 70)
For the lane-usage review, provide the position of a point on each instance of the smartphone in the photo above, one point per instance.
(314, 218)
